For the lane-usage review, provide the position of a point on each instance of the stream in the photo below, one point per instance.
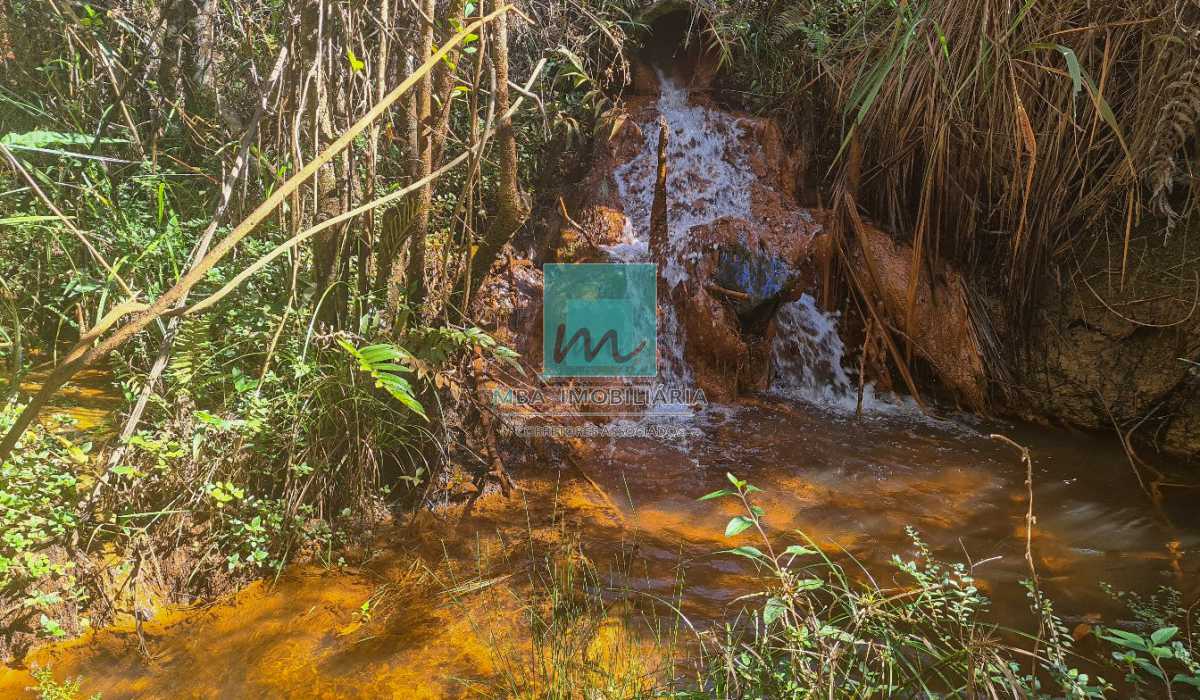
(451, 597)
(448, 596)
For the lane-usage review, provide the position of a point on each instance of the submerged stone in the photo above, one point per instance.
(762, 277)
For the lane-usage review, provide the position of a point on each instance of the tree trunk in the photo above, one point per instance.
(327, 246)
(511, 207)
(199, 53)
(423, 165)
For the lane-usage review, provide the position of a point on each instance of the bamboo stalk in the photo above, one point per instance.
(79, 359)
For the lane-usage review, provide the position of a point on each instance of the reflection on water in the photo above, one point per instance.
(852, 485)
(89, 401)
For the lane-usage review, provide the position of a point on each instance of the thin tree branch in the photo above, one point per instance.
(171, 297)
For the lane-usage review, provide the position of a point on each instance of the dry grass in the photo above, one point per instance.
(998, 135)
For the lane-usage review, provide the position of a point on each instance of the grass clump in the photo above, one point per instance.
(1009, 138)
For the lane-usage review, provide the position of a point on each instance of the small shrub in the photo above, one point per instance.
(820, 633)
(38, 492)
(50, 689)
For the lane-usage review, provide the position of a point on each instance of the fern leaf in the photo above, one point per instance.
(379, 361)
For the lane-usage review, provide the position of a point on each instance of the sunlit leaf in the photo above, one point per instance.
(798, 550)
(748, 552)
(738, 525)
(355, 64)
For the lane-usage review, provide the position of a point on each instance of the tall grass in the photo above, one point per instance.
(1007, 137)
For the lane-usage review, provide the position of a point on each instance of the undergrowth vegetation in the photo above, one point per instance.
(819, 625)
(266, 225)
(290, 381)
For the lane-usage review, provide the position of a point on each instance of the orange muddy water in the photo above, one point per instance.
(449, 597)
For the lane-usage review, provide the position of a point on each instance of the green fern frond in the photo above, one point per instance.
(383, 361)
(786, 24)
(193, 347)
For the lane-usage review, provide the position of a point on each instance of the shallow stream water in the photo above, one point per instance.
(450, 594)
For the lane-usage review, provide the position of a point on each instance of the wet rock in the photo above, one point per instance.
(742, 270)
(509, 306)
(600, 227)
(937, 323)
(643, 80)
(596, 218)
(759, 277)
(738, 241)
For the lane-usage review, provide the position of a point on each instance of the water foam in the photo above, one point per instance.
(808, 361)
(708, 178)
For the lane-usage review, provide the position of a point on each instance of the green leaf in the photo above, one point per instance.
(380, 361)
(1106, 113)
(10, 220)
(1073, 67)
(716, 494)
(809, 584)
(355, 64)
(1163, 635)
(1150, 668)
(51, 627)
(412, 404)
(738, 525)
(773, 610)
(748, 552)
(42, 139)
(1125, 639)
(799, 551)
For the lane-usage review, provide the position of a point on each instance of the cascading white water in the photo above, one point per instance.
(708, 178)
(807, 355)
(808, 364)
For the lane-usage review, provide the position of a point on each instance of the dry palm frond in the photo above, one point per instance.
(999, 136)
(1180, 116)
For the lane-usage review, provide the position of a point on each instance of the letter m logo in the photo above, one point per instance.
(600, 320)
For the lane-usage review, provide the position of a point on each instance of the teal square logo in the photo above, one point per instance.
(600, 320)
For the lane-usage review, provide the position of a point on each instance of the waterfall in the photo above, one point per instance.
(807, 355)
(808, 362)
(708, 178)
